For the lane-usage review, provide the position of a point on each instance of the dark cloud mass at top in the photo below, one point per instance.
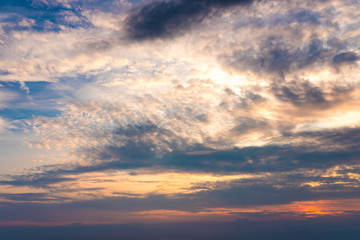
(163, 19)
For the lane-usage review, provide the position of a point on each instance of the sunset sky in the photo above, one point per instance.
(180, 119)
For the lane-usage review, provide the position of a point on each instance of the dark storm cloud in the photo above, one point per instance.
(161, 19)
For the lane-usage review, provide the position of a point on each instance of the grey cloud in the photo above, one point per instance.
(34, 179)
(137, 130)
(248, 159)
(263, 159)
(335, 147)
(307, 16)
(300, 94)
(277, 56)
(237, 194)
(250, 99)
(234, 195)
(304, 94)
(263, 193)
(162, 19)
(247, 100)
(247, 125)
(346, 138)
(30, 197)
(100, 45)
(345, 57)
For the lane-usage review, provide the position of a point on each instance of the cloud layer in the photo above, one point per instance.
(179, 111)
(163, 19)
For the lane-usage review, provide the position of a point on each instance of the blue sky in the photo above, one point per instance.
(160, 114)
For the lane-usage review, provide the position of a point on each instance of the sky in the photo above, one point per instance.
(180, 119)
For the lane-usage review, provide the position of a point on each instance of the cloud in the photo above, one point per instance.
(163, 19)
(302, 93)
(345, 57)
(310, 170)
(38, 180)
(41, 16)
(29, 197)
(26, 99)
(345, 138)
(255, 107)
(278, 56)
(3, 124)
(6, 96)
(114, 6)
